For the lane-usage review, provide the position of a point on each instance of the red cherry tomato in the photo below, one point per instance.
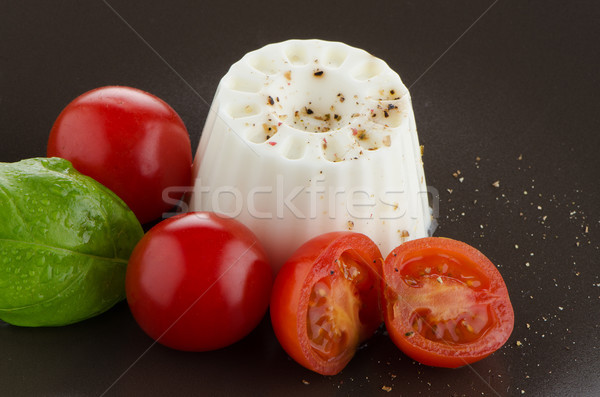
(447, 304)
(128, 140)
(326, 300)
(198, 282)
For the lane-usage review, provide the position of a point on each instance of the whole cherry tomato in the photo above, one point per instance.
(128, 140)
(198, 282)
(326, 300)
(447, 304)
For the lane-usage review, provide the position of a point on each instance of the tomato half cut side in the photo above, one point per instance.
(326, 300)
(446, 303)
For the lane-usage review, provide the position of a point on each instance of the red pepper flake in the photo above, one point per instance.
(278, 124)
(272, 143)
(318, 73)
(354, 131)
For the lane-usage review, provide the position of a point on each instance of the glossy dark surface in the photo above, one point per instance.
(519, 90)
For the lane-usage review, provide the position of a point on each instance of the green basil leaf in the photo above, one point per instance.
(65, 240)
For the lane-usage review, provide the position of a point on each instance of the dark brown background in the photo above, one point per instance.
(522, 81)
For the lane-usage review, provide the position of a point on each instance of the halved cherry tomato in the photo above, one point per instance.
(447, 304)
(326, 300)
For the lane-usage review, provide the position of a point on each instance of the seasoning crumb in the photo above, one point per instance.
(350, 225)
(519, 343)
(305, 382)
(461, 179)
(520, 157)
(387, 141)
(288, 75)
(271, 101)
(318, 73)
(496, 184)
(386, 388)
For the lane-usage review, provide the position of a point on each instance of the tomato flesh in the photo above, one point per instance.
(331, 318)
(445, 299)
(335, 308)
(326, 300)
(447, 304)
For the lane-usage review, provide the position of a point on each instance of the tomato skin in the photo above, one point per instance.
(292, 289)
(198, 282)
(487, 295)
(130, 141)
